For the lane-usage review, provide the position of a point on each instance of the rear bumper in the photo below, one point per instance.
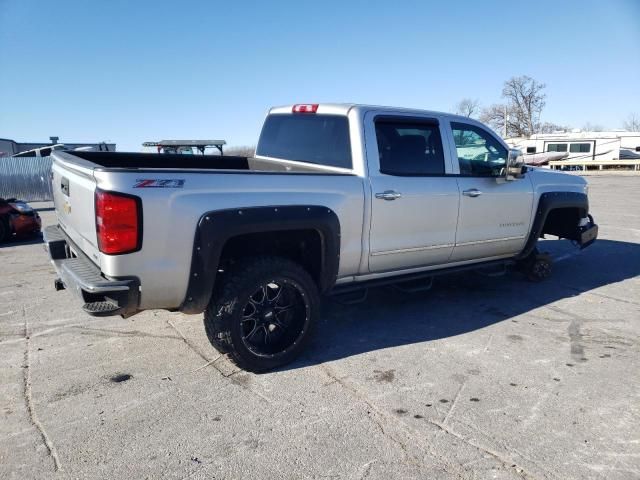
(102, 296)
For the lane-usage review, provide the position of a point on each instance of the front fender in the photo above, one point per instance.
(585, 234)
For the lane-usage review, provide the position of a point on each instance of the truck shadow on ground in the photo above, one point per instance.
(462, 303)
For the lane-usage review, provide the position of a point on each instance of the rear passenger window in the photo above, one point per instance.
(409, 147)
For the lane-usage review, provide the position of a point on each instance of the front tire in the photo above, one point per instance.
(540, 269)
(537, 266)
(263, 313)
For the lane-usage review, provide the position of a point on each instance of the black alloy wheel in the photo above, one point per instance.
(274, 317)
(262, 312)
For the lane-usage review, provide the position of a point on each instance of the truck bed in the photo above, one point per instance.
(170, 215)
(152, 161)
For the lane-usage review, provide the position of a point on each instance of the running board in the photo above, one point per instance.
(414, 286)
(491, 272)
(351, 297)
(378, 282)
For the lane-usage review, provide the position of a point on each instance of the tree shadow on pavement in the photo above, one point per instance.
(464, 302)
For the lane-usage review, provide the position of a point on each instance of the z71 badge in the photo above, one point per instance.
(159, 183)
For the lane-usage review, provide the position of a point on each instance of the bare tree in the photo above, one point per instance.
(632, 123)
(519, 116)
(468, 107)
(496, 115)
(526, 100)
(503, 119)
(550, 127)
(592, 127)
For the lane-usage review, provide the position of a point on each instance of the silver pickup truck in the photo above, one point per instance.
(338, 198)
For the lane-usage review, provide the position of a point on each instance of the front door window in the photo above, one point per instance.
(480, 154)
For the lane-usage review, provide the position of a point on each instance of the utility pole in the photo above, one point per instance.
(506, 117)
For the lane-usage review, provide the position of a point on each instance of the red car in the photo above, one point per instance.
(17, 219)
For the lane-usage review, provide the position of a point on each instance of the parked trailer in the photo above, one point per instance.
(589, 148)
(600, 164)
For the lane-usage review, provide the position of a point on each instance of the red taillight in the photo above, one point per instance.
(118, 223)
(305, 108)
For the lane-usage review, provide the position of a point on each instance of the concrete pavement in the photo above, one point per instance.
(481, 377)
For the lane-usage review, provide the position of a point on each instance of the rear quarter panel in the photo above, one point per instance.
(170, 217)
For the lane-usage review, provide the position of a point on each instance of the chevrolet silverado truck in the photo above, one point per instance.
(337, 198)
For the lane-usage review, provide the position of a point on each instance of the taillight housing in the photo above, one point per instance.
(118, 222)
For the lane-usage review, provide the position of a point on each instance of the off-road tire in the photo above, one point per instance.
(540, 269)
(226, 311)
(537, 266)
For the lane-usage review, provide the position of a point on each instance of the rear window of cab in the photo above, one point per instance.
(310, 138)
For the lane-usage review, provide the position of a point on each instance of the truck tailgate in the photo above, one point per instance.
(73, 196)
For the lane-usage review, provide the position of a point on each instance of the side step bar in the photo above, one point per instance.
(413, 277)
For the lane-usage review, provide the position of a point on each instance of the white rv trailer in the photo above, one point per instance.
(579, 145)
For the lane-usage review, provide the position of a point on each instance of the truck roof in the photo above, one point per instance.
(345, 108)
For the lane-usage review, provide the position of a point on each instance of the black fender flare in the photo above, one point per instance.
(216, 227)
(550, 201)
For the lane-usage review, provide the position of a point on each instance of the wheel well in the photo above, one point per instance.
(563, 222)
(302, 246)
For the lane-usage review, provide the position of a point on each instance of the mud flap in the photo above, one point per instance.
(588, 234)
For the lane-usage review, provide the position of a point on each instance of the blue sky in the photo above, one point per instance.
(131, 71)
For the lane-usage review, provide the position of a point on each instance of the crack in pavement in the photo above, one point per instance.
(42, 333)
(123, 333)
(366, 469)
(455, 402)
(212, 362)
(379, 418)
(508, 448)
(29, 400)
(507, 463)
(374, 409)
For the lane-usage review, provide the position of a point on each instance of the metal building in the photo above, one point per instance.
(10, 147)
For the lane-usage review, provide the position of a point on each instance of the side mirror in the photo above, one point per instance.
(515, 165)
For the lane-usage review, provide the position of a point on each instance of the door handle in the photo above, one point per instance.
(388, 195)
(473, 192)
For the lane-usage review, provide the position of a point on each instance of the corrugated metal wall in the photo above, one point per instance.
(25, 178)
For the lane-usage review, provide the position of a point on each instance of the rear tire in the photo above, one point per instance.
(263, 314)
